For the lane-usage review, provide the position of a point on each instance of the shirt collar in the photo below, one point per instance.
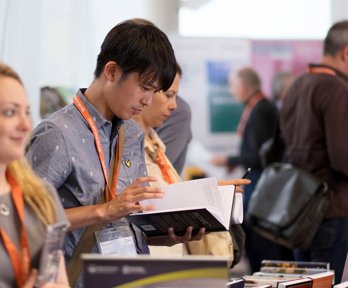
(338, 72)
(255, 95)
(154, 138)
(97, 117)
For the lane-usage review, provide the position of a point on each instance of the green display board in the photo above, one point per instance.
(223, 110)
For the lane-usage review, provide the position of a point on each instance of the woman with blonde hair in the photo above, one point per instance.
(27, 205)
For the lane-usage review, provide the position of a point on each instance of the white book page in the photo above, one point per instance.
(226, 195)
(194, 193)
(237, 209)
(219, 216)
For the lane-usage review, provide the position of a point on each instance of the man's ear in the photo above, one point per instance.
(112, 71)
(344, 54)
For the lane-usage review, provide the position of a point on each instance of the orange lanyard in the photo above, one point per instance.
(160, 159)
(111, 192)
(322, 70)
(164, 167)
(20, 260)
(246, 112)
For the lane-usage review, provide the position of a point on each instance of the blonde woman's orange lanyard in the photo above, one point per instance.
(110, 191)
(20, 260)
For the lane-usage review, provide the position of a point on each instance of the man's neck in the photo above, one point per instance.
(95, 96)
(251, 95)
(333, 62)
(141, 122)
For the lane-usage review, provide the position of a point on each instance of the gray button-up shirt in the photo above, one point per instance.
(62, 151)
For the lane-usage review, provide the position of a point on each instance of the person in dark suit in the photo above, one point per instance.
(257, 124)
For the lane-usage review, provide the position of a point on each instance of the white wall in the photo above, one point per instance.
(20, 43)
(270, 19)
(339, 10)
(74, 31)
(56, 42)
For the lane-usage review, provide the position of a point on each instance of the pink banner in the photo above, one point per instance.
(272, 56)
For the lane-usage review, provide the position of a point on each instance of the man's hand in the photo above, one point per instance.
(55, 285)
(173, 239)
(128, 201)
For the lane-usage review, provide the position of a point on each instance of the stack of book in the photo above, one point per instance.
(283, 274)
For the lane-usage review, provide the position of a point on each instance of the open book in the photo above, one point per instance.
(197, 203)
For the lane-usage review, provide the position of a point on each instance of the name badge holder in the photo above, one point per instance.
(116, 239)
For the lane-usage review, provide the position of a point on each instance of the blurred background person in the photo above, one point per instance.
(281, 82)
(257, 124)
(27, 205)
(312, 120)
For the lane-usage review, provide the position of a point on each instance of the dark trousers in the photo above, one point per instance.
(330, 244)
(259, 248)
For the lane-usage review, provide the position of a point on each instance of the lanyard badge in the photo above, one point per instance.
(111, 192)
(118, 239)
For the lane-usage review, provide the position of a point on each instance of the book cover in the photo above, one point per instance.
(299, 283)
(198, 203)
(342, 285)
(292, 270)
(295, 264)
(157, 223)
(288, 276)
(235, 283)
(323, 280)
(345, 271)
(254, 280)
(150, 272)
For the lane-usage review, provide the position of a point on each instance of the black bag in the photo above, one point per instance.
(288, 205)
(238, 240)
(273, 150)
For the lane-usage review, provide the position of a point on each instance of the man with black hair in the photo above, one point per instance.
(76, 148)
(313, 119)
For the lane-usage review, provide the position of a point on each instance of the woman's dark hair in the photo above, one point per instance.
(138, 47)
